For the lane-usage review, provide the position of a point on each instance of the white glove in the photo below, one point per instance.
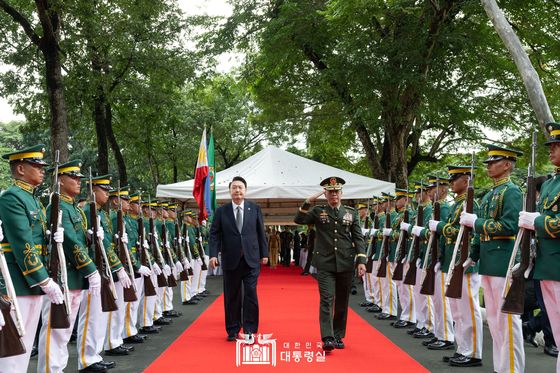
(144, 271)
(405, 226)
(180, 240)
(432, 224)
(1, 232)
(167, 245)
(417, 230)
(467, 219)
(469, 263)
(53, 291)
(365, 231)
(186, 264)
(94, 283)
(145, 244)
(179, 267)
(156, 269)
(527, 219)
(387, 232)
(515, 267)
(418, 263)
(58, 237)
(124, 279)
(2, 322)
(199, 261)
(100, 233)
(124, 238)
(373, 231)
(167, 270)
(437, 267)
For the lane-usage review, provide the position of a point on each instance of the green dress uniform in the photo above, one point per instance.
(339, 245)
(114, 262)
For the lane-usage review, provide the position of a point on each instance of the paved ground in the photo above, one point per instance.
(537, 361)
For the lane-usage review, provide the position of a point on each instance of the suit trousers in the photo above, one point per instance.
(30, 309)
(53, 351)
(240, 298)
(551, 295)
(334, 292)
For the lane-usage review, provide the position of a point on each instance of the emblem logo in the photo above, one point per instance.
(263, 352)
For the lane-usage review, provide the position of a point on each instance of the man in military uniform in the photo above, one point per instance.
(374, 250)
(176, 265)
(160, 257)
(24, 246)
(363, 211)
(339, 246)
(465, 310)
(497, 225)
(82, 273)
(546, 224)
(188, 295)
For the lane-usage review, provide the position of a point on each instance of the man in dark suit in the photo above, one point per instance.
(238, 233)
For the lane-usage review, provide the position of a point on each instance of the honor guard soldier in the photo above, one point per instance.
(496, 225)
(339, 246)
(92, 321)
(24, 246)
(82, 274)
(188, 295)
(363, 212)
(466, 309)
(546, 224)
(142, 273)
(389, 287)
(176, 265)
(162, 303)
(376, 235)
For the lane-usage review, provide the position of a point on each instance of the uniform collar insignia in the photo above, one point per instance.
(557, 170)
(461, 197)
(25, 186)
(501, 181)
(66, 198)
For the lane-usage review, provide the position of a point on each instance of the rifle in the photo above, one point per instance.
(184, 275)
(382, 269)
(514, 294)
(428, 285)
(59, 313)
(203, 266)
(401, 249)
(161, 278)
(149, 289)
(188, 248)
(129, 294)
(14, 329)
(372, 244)
(454, 279)
(108, 290)
(171, 281)
(410, 277)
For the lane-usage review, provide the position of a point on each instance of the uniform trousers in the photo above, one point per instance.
(377, 286)
(443, 319)
(201, 284)
(115, 321)
(507, 336)
(92, 327)
(131, 310)
(334, 291)
(30, 310)
(147, 306)
(406, 299)
(186, 290)
(158, 310)
(53, 343)
(424, 305)
(368, 287)
(468, 318)
(389, 291)
(196, 276)
(168, 299)
(551, 294)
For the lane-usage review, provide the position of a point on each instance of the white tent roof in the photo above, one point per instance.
(280, 181)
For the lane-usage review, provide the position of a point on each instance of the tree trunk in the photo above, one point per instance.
(121, 165)
(528, 73)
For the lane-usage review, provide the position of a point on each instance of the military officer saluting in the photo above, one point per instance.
(339, 245)
(546, 224)
(496, 226)
(24, 245)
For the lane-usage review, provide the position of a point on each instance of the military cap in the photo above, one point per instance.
(71, 168)
(387, 196)
(411, 193)
(33, 154)
(496, 153)
(457, 171)
(123, 192)
(163, 204)
(135, 197)
(333, 183)
(434, 180)
(399, 193)
(149, 204)
(361, 206)
(102, 181)
(188, 213)
(419, 185)
(553, 133)
(172, 206)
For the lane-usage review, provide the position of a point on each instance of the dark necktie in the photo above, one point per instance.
(336, 212)
(239, 219)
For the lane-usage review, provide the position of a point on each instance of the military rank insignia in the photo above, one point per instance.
(347, 218)
(323, 217)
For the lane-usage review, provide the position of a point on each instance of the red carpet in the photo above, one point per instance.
(289, 310)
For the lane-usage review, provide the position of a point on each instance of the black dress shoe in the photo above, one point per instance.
(447, 358)
(441, 345)
(354, 291)
(108, 364)
(366, 304)
(402, 324)
(190, 302)
(172, 313)
(424, 333)
(338, 344)
(128, 347)
(231, 337)
(374, 309)
(386, 316)
(134, 339)
(429, 341)
(117, 351)
(162, 321)
(328, 343)
(150, 329)
(551, 350)
(411, 331)
(465, 361)
(97, 367)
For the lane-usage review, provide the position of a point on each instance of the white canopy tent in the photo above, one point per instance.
(279, 181)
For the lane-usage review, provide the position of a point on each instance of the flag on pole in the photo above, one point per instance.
(200, 176)
(210, 201)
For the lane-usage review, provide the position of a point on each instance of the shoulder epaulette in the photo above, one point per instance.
(349, 207)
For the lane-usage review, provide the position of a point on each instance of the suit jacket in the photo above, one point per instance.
(225, 238)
